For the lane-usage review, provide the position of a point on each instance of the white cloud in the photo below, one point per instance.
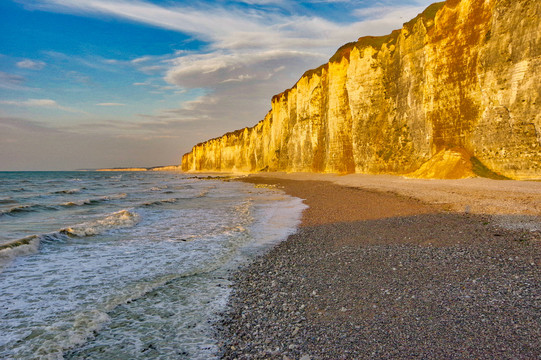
(31, 102)
(209, 70)
(46, 103)
(223, 28)
(30, 64)
(249, 55)
(142, 59)
(110, 104)
(387, 15)
(242, 77)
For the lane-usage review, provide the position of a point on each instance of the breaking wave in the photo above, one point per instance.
(161, 202)
(28, 208)
(30, 244)
(119, 219)
(21, 209)
(24, 246)
(69, 191)
(93, 201)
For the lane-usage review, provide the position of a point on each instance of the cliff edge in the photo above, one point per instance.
(454, 93)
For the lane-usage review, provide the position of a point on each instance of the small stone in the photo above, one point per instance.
(305, 357)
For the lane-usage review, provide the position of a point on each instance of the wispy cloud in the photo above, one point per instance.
(27, 125)
(245, 55)
(31, 64)
(241, 41)
(45, 103)
(142, 59)
(110, 104)
(232, 28)
(11, 81)
(209, 70)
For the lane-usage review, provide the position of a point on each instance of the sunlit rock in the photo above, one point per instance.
(461, 81)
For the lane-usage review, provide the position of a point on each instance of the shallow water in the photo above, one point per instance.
(101, 265)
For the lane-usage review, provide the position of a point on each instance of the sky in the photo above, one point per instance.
(88, 84)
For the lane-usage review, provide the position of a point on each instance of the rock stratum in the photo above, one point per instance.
(454, 93)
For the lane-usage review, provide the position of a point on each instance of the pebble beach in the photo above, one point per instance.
(383, 275)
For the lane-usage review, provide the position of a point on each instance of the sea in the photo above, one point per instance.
(126, 265)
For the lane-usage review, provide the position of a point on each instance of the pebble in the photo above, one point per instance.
(449, 300)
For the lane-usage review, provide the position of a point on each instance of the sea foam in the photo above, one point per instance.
(119, 219)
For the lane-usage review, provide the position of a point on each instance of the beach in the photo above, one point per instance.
(383, 267)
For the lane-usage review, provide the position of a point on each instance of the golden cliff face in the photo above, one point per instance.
(461, 81)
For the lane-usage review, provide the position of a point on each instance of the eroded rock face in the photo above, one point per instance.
(463, 75)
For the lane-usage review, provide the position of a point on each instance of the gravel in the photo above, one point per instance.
(375, 276)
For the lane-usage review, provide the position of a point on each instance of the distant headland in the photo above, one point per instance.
(155, 168)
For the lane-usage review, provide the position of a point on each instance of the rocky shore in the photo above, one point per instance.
(373, 275)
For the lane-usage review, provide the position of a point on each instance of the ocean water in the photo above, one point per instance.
(125, 265)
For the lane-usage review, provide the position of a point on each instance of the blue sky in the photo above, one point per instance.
(105, 83)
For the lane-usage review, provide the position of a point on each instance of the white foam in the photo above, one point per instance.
(17, 209)
(25, 246)
(174, 263)
(95, 200)
(77, 203)
(84, 325)
(69, 191)
(278, 216)
(119, 219)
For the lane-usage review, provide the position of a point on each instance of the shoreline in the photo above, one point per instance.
(372, 274)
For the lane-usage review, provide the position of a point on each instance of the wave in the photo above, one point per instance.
(86, 324)
(119, 219)
(203, 193)
(7, 200)
(24, 209)
(13, 249)
(160, 202)
(30, 244)
(68, 191)
(114, 197)
(16, 243)
(93, 201)
(77, 203)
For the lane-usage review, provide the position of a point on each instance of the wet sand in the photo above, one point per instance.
(384, 275)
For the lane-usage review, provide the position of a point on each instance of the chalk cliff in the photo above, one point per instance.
(459, 86)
